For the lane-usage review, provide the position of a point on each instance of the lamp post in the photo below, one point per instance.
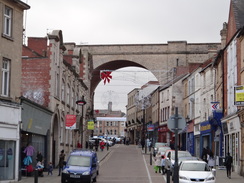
(81, 103)
(187, 120)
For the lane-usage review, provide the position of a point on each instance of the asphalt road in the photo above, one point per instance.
(127, 163)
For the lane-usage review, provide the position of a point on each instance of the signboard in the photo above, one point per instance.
(90, 125)
(181, 123)
(150, 128)
(70, 122)
(239, 95)
(214, 106)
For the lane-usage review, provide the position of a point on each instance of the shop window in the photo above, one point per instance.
(7, 160)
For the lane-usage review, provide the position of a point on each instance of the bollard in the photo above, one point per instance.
(36, 176)
(150, 158)
(168, 176)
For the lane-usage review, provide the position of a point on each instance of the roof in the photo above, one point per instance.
(238, 8)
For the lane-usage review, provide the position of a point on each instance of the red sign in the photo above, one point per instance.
(70, 121)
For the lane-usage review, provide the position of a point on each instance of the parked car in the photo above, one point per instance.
(81, 166)
(157, 145)
(163, 149)
(181, 155)
(196, 171)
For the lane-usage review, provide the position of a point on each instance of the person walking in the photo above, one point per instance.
(61, 162)
(163, 165)
(50, 168)
(228, 164)
(211, 161)
(157, 166)
(102, 144)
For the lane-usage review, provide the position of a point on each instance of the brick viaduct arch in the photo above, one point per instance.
(157, 58)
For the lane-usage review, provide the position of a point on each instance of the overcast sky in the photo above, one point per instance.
(127, 22)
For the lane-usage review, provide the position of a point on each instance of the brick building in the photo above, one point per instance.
(51, 78)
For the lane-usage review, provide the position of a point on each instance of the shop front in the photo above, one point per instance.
(165, 135)
(205, 136)
(232, 139)
(10, 120)
(36, 122)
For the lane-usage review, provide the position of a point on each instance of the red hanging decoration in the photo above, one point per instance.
(105, 76)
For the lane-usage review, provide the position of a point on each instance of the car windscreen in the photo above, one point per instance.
(83, 161)
(194, 167)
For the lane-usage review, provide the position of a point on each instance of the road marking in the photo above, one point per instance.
(148, 174)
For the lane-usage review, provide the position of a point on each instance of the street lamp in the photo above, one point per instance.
(81, 103)
(187, 120)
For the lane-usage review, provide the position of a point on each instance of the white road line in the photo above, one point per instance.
(148, 174)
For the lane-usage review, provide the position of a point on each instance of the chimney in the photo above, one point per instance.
(110, 106)
(223, 34)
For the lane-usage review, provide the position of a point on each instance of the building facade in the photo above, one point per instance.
(51, 78)
(11, 27)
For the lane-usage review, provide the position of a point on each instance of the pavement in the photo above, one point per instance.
(55, 178)
(221, 176)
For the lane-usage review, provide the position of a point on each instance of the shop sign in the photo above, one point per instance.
(90, 125)
(70, 121)
(150, 128)
(205, 127)
(239, 95)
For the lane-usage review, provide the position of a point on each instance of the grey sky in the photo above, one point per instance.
(127, 22)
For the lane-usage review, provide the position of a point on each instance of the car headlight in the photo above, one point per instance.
(182, 177)
(86, 173)
(210, 178)
(65, 171)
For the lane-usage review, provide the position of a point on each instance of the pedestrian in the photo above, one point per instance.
(204, 155)
(157, 166)
(107, 144)
(79, 145)
(211, 161)
(163, 164)
(168, 163)
(102, 144)
(142, 144)
(96, 143)
(61, 161)
(39, 156)
(50, 168)
(228, 164)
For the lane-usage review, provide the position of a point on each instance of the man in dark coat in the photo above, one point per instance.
(228, 164)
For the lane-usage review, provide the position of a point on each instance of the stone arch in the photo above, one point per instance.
(111, 65)
(55, 140)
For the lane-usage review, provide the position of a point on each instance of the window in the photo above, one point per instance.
(72, 97)
(68, 95)
(57, 85)
(5, 77)
(7, 26)
(62, 90)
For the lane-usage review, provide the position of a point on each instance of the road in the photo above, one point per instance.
(127, 163)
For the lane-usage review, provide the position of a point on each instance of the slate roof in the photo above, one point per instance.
(238, 7)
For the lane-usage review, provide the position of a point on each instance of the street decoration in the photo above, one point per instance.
(105, 76)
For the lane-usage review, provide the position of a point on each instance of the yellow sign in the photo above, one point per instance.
(239, 95)
(90, 125)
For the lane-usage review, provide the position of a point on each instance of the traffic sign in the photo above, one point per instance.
(181, 123)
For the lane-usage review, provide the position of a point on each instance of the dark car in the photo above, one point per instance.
(81, 166)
